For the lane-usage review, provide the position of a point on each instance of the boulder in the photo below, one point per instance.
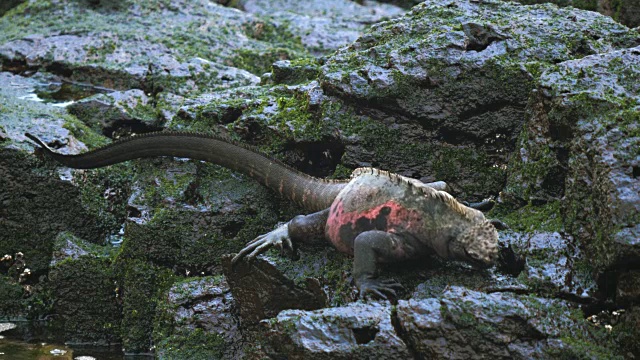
(580, 143)
(355, 331)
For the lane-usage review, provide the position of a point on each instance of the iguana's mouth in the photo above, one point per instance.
(476, 262)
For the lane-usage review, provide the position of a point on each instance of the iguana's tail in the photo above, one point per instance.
(312, 193)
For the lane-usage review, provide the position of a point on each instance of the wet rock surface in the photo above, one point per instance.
(460, 75)
(446, 55)
(202, 305)
(133, 254)
(626, 12)
(552, 261)
(581, 133)
(324, 26)
(356, 331)
(119, 110)
(466, 324)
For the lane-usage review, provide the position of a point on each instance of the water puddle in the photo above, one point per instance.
(18, 341)
(62, 94)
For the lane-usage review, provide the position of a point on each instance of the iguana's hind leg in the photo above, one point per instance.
(301, 228)
(370, 248)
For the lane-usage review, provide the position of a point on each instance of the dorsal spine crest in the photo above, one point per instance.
(416, 185)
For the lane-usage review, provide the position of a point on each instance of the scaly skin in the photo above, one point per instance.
(376, 216)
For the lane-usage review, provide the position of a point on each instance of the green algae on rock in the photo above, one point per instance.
(183, 330)
(581, 141)
(436, 64)
(86, 300)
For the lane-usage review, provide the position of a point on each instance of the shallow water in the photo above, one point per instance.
(19, 341)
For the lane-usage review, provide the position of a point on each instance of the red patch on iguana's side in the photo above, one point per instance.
(342, 228)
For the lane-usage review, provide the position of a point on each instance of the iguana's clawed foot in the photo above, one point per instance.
(278, 238)
(379, 289)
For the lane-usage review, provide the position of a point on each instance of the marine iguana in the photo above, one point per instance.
(376, 216)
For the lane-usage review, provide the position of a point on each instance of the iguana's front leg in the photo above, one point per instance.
(372, 247)
(300, 229)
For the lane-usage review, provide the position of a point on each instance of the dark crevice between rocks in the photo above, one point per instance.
(386, 105)
(318, 159)
(17, 67)
(202, 299)
(395, 321)
(480, 36)
(122, 128)
(68, 91)
(59, 69)
(635, 172)
(365, 335)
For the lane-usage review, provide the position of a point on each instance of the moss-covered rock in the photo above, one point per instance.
(141, 286)
(121, 110)
(581, 143)
(86, 306)
(504, 325)
(626, 12)
(104, 46)
(12, 302)
(355, 331)
(197, 319)
(185, 216)
(461, 75)
(321, 26)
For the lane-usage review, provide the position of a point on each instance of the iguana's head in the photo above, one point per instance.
(478, 245)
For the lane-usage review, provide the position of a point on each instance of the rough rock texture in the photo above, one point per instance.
(626, 12)
(554, 262)
(435, 64)
(86, 300)
(195, 309)
(323, 26)
(438, 95)
(67, 246)
(285, 72)
(581, 141)
(186, 215)
(118, 110)
(458, 324)
(462, 73)
(103, 44)
(38, 204)
(466, 324)
(263, 291)
(356, 331)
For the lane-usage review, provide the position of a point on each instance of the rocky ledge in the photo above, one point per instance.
(535, 107)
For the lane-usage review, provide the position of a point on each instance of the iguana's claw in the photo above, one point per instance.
(278, 238)
(379, 289)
